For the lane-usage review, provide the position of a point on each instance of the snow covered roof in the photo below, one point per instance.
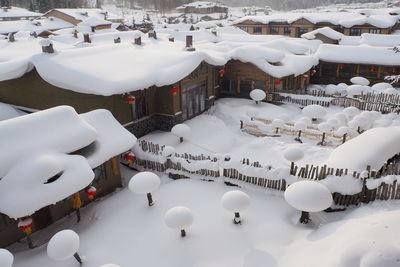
(378, 145)
(326, 31)
(386, 40)
(28, 161)
(35, 25)
(94, 21)
(201, 4)
(345, 19)
(358, 55)
(17, 12)
(85, 13)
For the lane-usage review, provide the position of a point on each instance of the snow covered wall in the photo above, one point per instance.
(37, 147)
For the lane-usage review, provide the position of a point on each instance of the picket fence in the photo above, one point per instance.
(233, 176)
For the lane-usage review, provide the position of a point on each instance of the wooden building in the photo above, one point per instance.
(202, 7)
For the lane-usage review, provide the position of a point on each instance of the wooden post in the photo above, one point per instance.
(189, 43)
(150, 199)
(171, 39)
(183, 233)
(138, 40)
(305, 217)
(78, 258)
(236, 219)
(344, 138)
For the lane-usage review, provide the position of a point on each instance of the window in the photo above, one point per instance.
(229, 86)
(355, 32)
(257, 30)
(259, 85)
(301, 31)
(375, 31)
(287, 30)
(274, 30)
(139, 108)
(244, 28)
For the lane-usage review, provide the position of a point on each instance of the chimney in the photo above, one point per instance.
(47, 46)
(75, 34)
(152, 34)
(189, 43)
(138, 40)
(5, 9)
(86, 38)
(171, 38)
(214, 31)
(117, 39)
(11, 37)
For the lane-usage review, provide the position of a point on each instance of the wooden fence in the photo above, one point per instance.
(385, 103)
(176, 170)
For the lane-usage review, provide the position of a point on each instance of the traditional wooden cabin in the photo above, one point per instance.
(203, 7)
(340, 63)
(144, 85)
(71, 135)
(326, 35)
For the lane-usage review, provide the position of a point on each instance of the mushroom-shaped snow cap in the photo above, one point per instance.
(178, 218)
(378, 87)
(343, 130)
(300, 126)
(324, 127)
(6, 258)
(45, 42)
(293, 154)
(351, 111)
(359, 80)
(63, 245)
(257, 95)
(278, 123)
(181, 130)
(235, 201)
(308, 196)
(168, 151)
(144, 182)
(285, 117)
(314, 111)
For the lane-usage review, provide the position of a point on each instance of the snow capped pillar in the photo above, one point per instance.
(214, 31)
(189, 43)
(138, 38)
(152, 34)
(86, 38)
(47, 46)
(117, 39)
(11, 37)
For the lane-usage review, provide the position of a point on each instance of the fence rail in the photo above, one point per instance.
(174, 166)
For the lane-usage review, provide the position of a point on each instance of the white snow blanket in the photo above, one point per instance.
(30, 156)
(373, 147)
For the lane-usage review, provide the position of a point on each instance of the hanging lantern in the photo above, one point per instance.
(341, 66)
(277, 83)
(174, 90)
(221, 72)
(372, 68)
(90, 192)
(129, 157)
(130, 99)
(25, 225)
(313, 72)
(305, 76)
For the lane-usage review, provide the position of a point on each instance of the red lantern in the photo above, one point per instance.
(90, 192)
(221, 72)
(277, 83)
(131, 99)
(341, 66)
(372, 68)
(26, 225)
(174, 90)
(129, 157)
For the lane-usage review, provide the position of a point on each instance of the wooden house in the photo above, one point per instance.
(202, 7)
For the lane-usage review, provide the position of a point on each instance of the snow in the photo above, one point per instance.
(27, 162)
(359, 81)
(308, 196)
(93, 22)
(314, 111)
(84, 13)
(8, 112)
(181, 130)
(235, 201)
(17, 12)
(324, 127)
(168, 151)
(382, 40)
(201, 4)
(380, 143)
(144, 182)
(37, 26)
(345, 184)
(179, 218)
(6, 258)
(326, 31)
(293, 154)
(257, 95)
(63, 245)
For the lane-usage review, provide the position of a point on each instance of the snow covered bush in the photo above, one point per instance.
(299, 126)
(168, 151)
(257, 95)
(6, 258)
(277, 123)
(359, 81)
(325, 128)
(314, 112)
(179, 218)
(64, 245)
(182, 131)
(145, 183)
(308, 196)
(293, 154)
(235, 201)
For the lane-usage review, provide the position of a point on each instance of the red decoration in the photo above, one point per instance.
(277, 83)
(90, 192)
(313, 72)
(221, 72)
(26, 225)
(372, 68)
(341, 66)
(131, 99)
(129, 157)
(174, 90)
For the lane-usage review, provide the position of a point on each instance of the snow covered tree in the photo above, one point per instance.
(6, 258)
(235, 201)
(314, 112)
(64, 245)
(308, 196)
(179, 218)
(324, 128)
(182, 131)
(293, 154)
(145, 183)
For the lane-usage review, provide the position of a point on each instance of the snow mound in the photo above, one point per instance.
(359, 81)
(178, 218)
(314, 111)
(293, 154)
(6, 258)
(308, 196)
(181, 130)
(63, 245)
(257, 95)
(235, 201)
(144, 182)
